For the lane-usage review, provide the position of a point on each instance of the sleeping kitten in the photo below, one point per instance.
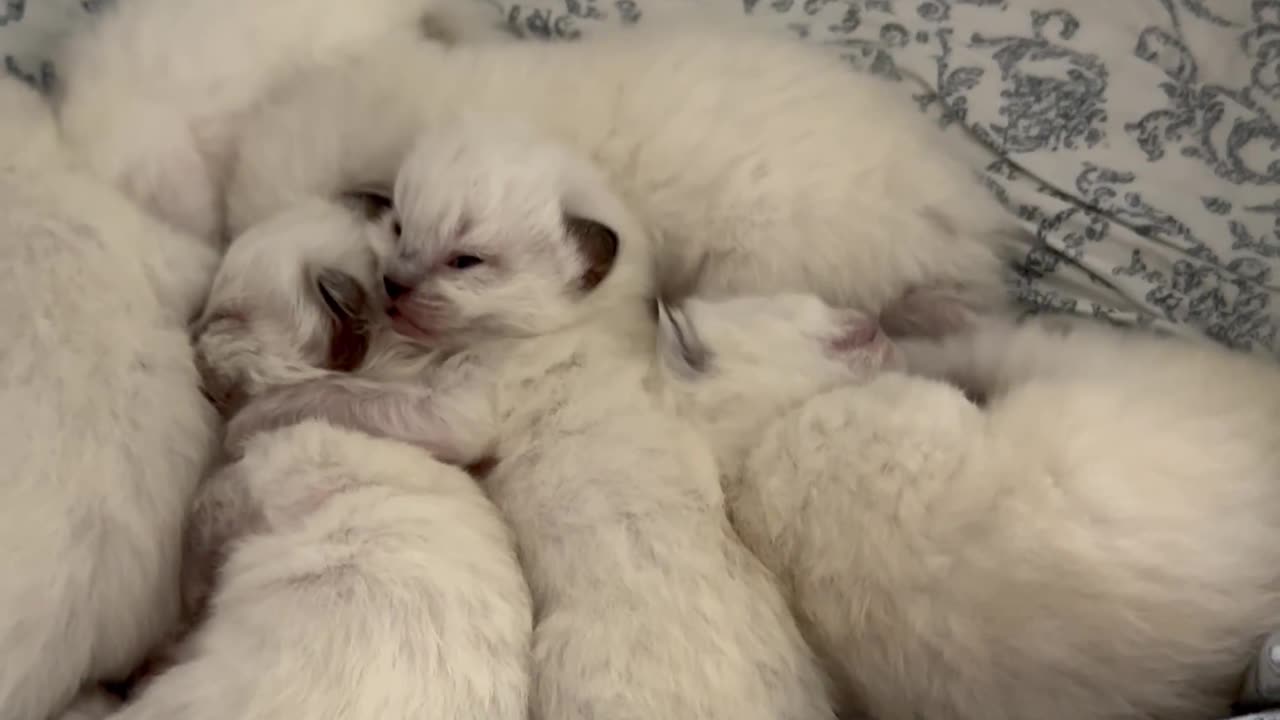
(647, 605)
(154, 91)
(755, 163)
(1099, 541)
(103, 432)
(362, 580)
(328, 574)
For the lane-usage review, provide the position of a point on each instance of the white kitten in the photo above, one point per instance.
(104, 431)
(153, 91)
(1099, 541)
(358, 579)
(536, 281)
(755, 162)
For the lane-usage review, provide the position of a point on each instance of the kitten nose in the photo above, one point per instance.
(394, 289)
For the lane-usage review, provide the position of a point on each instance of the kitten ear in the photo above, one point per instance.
(930, 312)
(373, 201)
(597, 243)
(678, 342)
(342, 294)
(348, 305)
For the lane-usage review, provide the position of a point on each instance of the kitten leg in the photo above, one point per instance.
(456, 427)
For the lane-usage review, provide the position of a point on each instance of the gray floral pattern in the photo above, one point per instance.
(1137, 140)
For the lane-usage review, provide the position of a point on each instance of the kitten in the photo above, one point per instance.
(104, 431)
(153, 92)
(755, 163)
(647, 605)
(356, 578)
(282, 306)
(1098, 541)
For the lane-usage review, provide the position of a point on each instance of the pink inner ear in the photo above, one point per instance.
(856, 336)
(230, 314)
(310, 501)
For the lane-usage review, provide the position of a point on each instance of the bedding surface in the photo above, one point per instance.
(1136, 141)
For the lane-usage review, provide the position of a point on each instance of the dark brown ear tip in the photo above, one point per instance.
(599, 246)
(342, 294)
(348, 305)
(693, 353)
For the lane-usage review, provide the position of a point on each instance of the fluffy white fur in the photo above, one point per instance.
(756, 163)
(104, 431)
(153, 90)
(366, 581)
(647, 604)
(1098, 541)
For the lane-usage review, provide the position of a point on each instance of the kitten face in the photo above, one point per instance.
(294, 296)
(503, 235)
(719, 356)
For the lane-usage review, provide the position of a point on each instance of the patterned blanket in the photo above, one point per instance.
(1137, 140)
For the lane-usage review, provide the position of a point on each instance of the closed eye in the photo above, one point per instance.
(463, 262)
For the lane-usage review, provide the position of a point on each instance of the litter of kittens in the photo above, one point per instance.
(365, 361)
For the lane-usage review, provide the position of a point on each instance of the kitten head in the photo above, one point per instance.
(295, 297)
(506, 235)
(750, 357)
